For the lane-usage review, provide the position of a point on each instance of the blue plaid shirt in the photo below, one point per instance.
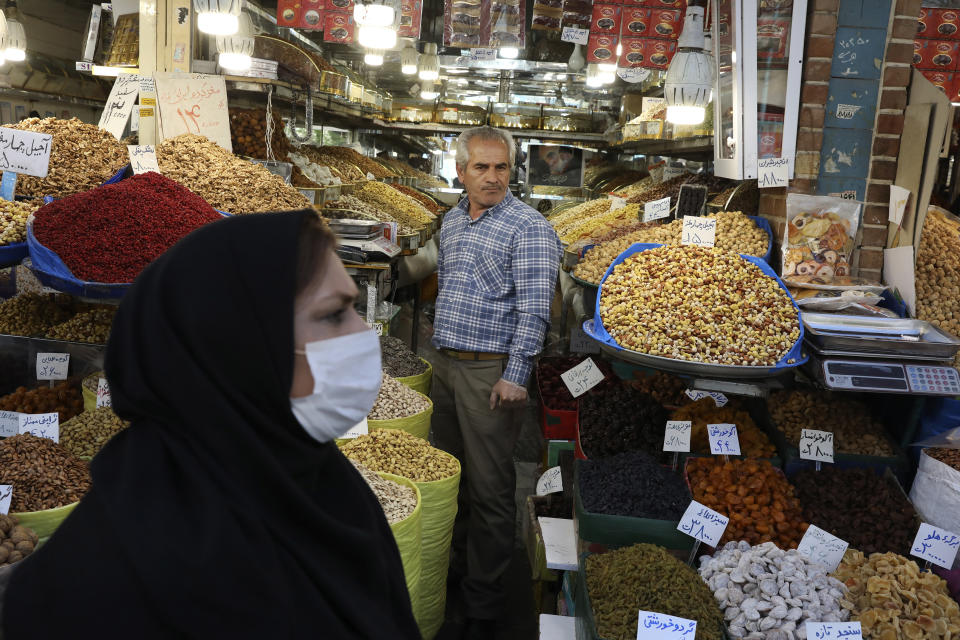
(497, 277)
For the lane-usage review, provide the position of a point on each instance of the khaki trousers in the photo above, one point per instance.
(483, 441)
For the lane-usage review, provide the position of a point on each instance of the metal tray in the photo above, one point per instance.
(894, 337)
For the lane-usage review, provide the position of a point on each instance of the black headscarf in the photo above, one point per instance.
(214, 515)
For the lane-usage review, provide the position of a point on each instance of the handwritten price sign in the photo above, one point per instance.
(724, 440)
(660, 626)
(550, 482)
(6, 496)
(698, 231)
(822, 547)
(582, 378)
(193, 103)
(575, 35)
(104, 399)
(703, 523)
(42, 425)
(52, 366)
(816, 445)
(656, 209)
(362, 428)
(119, 105)
(939, 546)
(719, 399)
(143, 158)
(773, 172)
(677, 436)
(25, 152)
(9, 423)
(834, 630)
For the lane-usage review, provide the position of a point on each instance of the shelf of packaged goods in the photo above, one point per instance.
(697, 147)
(434, 127)
(325, 103)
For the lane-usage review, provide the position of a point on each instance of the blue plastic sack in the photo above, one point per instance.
(12, 254)
(600, 334)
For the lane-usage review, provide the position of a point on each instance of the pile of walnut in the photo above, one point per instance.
(698, 304)
(16, 541)
(938, 273)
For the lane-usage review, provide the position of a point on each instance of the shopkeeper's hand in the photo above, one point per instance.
(507, 395)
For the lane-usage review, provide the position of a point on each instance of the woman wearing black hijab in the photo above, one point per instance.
(224, 511)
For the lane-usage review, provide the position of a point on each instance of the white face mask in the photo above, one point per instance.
(346, 380)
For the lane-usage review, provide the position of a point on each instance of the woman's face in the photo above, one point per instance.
(323, 311)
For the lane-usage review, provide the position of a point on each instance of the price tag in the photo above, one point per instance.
(939, 546)
(483, 55)
(143, 158)
(773, 172)
(699, 231)
(833, 630)
(660, 626)
(9, 423)
(84, 66)
(580, 342)
(6, 497)
(816, 445)
(703, 523)
(656, 209)
(633, 75)
(362, 428)
(822, 547)
(669, 173)
(677, 436)
(147, 85)
(575, 35)
(25, 152)
(377, 328)
(193, 103)
(719, 399)
(119, 106)
(104, 399)
(616, 202)
(52, 366)
(582, 378)
(724, 440)
(8, 185)
(560, 543)
(42, 425)
(550, 482)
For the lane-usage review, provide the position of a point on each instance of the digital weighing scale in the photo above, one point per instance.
(885, 355)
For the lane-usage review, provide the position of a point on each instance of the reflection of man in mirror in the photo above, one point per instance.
(557, 159)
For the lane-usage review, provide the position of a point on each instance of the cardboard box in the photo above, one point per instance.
(606, 19)
(301, 14)
(634, 52)
(636, 21)
(942, 55)
(666, 24)
(657, 54)
(339, 27)
(939, 24)
(602, 48)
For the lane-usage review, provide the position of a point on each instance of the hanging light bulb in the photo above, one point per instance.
(429, 64)
(3, 39)
(374, 57)
(235, 51)
(509, 52)
(374, 15)
(593, 76)
(688, 87)
(377, 37)
(218, 17)
(576, 61)
(428, 90)
(409, 58)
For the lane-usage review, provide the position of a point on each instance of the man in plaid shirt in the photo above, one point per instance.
(497, 262)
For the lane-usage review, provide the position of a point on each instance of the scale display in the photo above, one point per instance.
(859, 375)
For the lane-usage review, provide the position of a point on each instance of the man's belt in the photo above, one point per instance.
(473, 355)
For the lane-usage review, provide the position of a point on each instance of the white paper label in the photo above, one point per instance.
(669, 173)
(377, 328)
(698, 231)
(25, 152)
(822, 547)
(6, 497)
(104, 399)
(450, 115)
(833, 630)
(847, 111)
(84, 66)
(719, 399)
(550, 482)
(483, 55)
(616, 202)
(580, 342)
(193, 103)
(773, 172)
(362, 428)
(575, 35)
(898, 203)
(703, 523)
(147, 85)
(52, 366)
(724, 440)
(660, 626)
(560, 543)
(656, 209)
(119, 106)
(677, 436)
(9, 423)
(816, 445)
(939, 546)
(143, 158)
(582, 378)
(633, 75)
(42, 425)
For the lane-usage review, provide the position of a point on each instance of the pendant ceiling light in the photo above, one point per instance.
(409, 58)
(374, 15)
(593, 76)
(688, 87)
(374, 57)
(428, 90)
(218, 17)
(509, 52)
(3, 39)
(576, 61)
(235, 52)
(373, 37)
(429, 64)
